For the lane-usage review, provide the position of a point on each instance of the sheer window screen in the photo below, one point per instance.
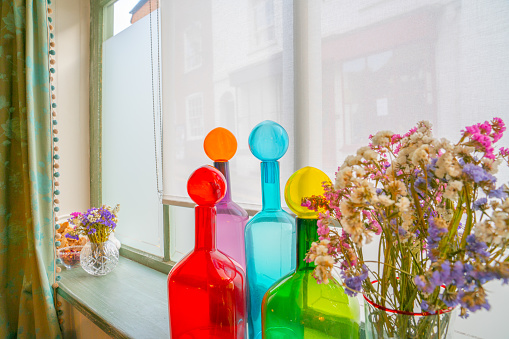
(245, 77)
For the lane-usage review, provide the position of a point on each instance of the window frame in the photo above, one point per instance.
(305, 15)
(101, 28)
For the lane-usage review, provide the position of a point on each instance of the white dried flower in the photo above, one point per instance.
(322, 250)
(346, 208)
(343, 177)
(443, 163)
(452, 190)
(385, 200)
(360, 172)
(352, 160)
(491, 166)
(382, 138)
(397, 187)
(421, 155)
(403, 204)
(454, 170)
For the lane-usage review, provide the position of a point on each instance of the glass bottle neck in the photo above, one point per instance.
(306, 235)
(271, 197)
(205, 228)
(224, 168)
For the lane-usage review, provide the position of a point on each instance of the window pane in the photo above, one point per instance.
(128, 160)
(127, 12)
(181, 231)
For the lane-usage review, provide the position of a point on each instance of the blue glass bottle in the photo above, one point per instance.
(270, 235)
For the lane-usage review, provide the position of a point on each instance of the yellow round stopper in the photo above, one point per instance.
(304, 183)
(220, 144)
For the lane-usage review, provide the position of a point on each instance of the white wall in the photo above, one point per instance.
(72, 39)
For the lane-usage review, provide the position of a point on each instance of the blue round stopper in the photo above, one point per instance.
(268, 141)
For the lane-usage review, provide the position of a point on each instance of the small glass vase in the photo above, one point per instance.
(99, 258)
(382, 322)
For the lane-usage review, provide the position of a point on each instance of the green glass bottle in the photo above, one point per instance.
(297, 306)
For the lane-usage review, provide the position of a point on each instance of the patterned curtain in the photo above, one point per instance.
(26, 172)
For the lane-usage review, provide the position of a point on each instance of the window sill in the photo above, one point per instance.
(129, 302)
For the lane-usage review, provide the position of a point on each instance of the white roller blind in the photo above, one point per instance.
(228, 64)
(388, 64)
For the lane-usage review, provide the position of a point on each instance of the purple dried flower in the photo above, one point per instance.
(480, 204)
(71, 236)
(435, 234)
(475, 246)
(478, 174)
(424, 306)
(402, 232)
(498, 193)
(354, 283)
(457, 274)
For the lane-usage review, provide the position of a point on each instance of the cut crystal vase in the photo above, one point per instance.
(99, 258)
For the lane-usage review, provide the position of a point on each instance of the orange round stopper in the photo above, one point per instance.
(220, 144)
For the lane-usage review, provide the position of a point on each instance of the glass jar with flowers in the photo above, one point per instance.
(100, 255)
(440, 221)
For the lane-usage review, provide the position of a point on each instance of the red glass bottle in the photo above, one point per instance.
(206, 289)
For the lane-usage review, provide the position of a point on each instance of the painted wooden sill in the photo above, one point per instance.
(129, 302)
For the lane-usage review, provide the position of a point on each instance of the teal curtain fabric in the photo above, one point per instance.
(26, 174)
